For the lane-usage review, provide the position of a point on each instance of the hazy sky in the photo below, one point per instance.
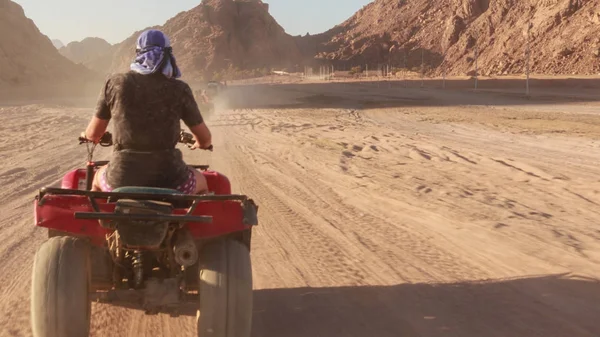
(115, 20)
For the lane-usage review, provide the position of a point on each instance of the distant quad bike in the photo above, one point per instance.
(213, 89)
(206, 97)
(151, 249)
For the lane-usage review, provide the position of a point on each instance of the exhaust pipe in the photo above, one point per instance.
(185, 250)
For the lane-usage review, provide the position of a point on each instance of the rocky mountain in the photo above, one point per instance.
(57, 43)
(564, 36)
(241, 34)
(28, 57)
(86, 51)
(219, 34)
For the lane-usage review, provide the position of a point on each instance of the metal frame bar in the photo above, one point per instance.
(106, 162)
(248, 206)
(168, 197)
(142, 217)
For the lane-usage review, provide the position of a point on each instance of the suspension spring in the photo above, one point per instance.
(138, 269)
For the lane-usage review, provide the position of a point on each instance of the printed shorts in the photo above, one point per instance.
(187, 187)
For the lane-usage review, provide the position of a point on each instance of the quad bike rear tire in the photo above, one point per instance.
(225, 290)
(60, 303)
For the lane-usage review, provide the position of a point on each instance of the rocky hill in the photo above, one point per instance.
(564, 36)
(241, 34)
(219, 34)
(28, 57)
(87, 51)
(57, 43)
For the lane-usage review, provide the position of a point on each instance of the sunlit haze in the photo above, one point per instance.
(115, 20)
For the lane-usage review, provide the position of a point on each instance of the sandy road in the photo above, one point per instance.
(424, 215)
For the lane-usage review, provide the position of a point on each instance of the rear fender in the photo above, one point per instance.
(57, 212)
(74, 180)
(217, 182)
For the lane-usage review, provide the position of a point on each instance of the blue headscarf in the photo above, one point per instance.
(154, 54)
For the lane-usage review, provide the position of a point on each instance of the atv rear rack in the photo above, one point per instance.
(142, 217)
(99, 163)
(151, 196)
(249, 207)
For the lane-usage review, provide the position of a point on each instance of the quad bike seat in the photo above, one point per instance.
(146, 190)
(152, 190)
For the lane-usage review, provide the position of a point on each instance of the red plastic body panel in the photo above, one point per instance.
(57, 211)
(217, 182)
(74, 180)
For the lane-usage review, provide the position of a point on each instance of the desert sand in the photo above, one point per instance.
(383, 211)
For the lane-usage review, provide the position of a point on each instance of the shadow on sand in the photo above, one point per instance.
(545, 306)
(550, 306)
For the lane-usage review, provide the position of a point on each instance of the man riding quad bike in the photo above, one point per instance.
(144, 231)
(206, 97)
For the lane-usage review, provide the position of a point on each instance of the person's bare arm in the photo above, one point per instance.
(99, 123)
(96, 129)
(193, 119)
(202, 136)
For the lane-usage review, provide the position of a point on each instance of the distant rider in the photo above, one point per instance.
(147, 104)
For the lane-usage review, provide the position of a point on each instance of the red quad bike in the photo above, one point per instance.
(142, 248)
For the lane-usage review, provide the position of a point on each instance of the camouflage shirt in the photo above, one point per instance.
(146, 111)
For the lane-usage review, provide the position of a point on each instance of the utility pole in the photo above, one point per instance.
(528, 56)
(444, 69)
(422, 67)
(476, 65)
(444, 76)
(405, 70)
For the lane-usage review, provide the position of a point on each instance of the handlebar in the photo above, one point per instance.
(188, 139)
(107, 140)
